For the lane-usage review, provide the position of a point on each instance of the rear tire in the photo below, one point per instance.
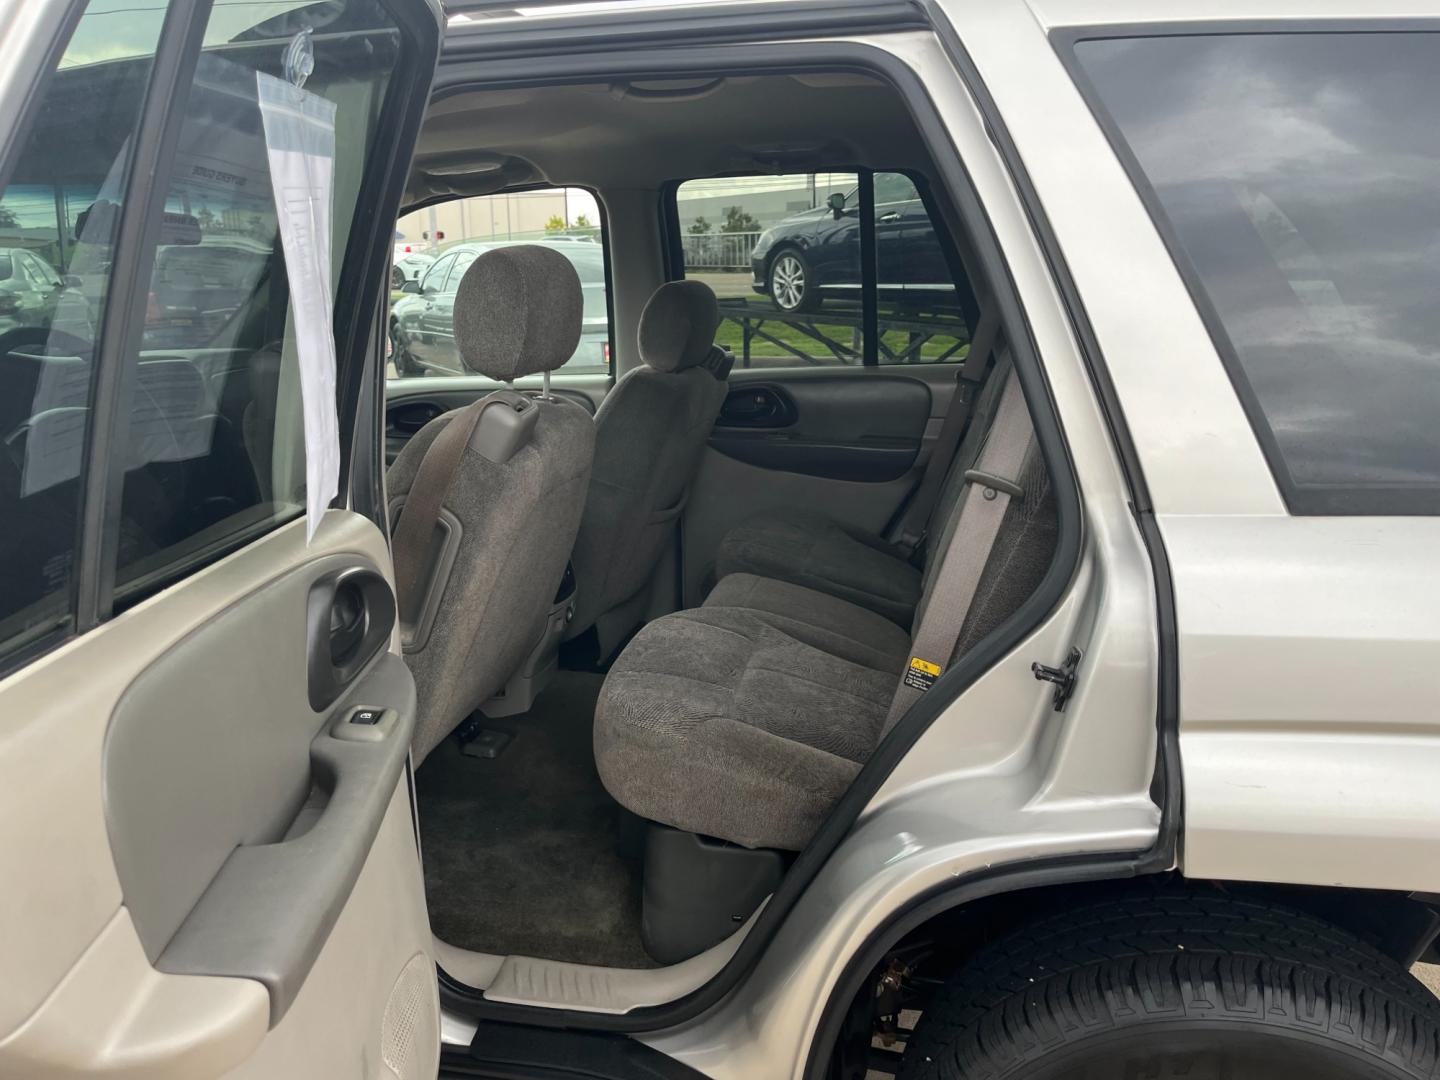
(1175, 985)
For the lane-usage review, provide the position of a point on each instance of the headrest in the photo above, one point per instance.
(678, 325)
(518, 311)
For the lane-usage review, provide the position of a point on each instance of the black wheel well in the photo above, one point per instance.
(1402, 925)
(780, 249)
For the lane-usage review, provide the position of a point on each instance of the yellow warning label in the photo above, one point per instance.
(921, 674)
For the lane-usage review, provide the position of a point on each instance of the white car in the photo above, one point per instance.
(408, 266)
(1035, 685)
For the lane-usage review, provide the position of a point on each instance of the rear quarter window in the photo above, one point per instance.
(1296, 179)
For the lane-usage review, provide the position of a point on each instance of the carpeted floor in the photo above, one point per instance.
(520, 851)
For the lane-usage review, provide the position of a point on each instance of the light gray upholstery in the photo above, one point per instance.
(718, 722)
(677, 327)
(518, 312)
(517, 517)
(649, 433)
(854, 632)
(517, 521)
(813, 550)
(747, 718)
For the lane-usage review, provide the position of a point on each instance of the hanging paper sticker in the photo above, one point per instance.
(300, 144)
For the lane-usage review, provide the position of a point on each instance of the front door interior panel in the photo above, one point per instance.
(240, 815)
(235, 838)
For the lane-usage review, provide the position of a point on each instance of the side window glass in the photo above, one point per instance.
(422, 339)
(1306, 221)
(433, 280)
(216, 454)
(457, 270)
(74, 159)
(783, 254)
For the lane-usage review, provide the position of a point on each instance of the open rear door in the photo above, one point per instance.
(209, 860)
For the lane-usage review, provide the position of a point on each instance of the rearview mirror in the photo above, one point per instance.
(410, 285)
(836, 203)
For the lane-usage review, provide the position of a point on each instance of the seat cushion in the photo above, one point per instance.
(839, 627)
(717, 721)
(810, 549)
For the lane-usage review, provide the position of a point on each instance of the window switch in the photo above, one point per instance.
(366, 716)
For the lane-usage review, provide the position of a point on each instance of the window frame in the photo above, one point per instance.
(162, 111)
(1355, 500)
(559, 376)
(672, 248)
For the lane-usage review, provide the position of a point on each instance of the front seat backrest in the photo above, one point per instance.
(487, 515)
(649, 433)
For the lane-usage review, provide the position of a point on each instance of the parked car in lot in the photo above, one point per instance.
(408, 266)
(422, 322)
(29, 288)
(1055, 701)
(814, 255)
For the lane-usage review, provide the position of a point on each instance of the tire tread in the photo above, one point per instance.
(1122, 962)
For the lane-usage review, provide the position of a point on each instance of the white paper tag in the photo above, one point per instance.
(300, 143)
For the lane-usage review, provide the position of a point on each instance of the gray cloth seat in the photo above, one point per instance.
(648, 436)
(820, 553)
(487, 568)
(813, 550)
(747, 718)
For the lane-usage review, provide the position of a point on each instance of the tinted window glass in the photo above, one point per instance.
(1298, 179)
(422, 340)
(82, 133)
(783, 254)
(217, 439)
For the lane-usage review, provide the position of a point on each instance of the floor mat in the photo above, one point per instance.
(520, 850)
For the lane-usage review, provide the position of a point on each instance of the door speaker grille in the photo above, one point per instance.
(410, 1030)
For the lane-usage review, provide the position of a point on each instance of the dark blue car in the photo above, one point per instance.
(814, 255)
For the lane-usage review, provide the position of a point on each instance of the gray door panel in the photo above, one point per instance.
(847, 443)
(239, 816)
(831, 426)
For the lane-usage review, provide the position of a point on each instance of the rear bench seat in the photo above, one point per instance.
(810, 549)
(747, 718)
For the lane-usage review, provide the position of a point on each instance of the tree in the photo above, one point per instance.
(205, 219)
(555, 224)
(699, 226)
(582, 221)
(737, 220)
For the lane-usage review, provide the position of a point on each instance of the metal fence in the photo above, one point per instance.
(718, 251)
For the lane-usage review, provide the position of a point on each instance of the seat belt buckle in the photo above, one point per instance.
(911, 542)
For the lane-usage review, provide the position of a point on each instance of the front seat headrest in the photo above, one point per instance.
(677, 327)
(518, 312)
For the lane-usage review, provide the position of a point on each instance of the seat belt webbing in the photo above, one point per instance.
(990, 486)
(913, 525)
(415, 530)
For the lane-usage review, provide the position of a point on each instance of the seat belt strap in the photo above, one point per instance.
(415, 531)
(913, 525)
(990, 487)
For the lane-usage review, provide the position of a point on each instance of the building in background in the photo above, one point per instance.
(522, 215)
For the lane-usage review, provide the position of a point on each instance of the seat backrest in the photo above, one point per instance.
(649, 434)
(493, 557)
